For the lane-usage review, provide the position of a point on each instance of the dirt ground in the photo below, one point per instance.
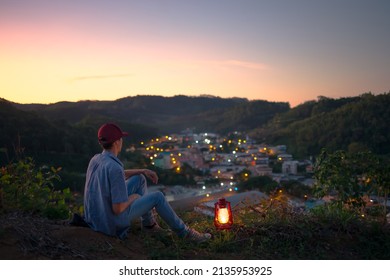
(24, 237)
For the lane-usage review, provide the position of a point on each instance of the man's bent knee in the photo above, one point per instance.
(158, 196)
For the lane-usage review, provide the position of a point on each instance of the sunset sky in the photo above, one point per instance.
(275, 50)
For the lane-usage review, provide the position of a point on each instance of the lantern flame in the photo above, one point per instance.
(223, 215)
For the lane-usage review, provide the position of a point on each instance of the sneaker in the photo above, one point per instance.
(197, 237)
(155, 229)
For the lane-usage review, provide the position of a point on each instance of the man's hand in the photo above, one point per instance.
(148, 174)
(118, 208)
(151, 175)
(133, 197)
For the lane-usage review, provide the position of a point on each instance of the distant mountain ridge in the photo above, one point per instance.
(166, 114)
(353, 123)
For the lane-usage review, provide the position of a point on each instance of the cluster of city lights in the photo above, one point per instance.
(164, 144)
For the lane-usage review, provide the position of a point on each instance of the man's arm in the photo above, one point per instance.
(148, 173)
(118, 208)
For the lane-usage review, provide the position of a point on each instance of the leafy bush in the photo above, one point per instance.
(351, 177)
(25, 187)
(343, 174)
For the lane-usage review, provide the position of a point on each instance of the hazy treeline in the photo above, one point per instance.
(65, 133)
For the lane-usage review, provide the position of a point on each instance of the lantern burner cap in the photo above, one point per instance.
(222, 201)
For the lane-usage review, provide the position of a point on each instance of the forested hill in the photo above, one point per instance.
(166, 114)
(353, 124)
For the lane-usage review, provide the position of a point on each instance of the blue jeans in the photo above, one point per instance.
(142, 207)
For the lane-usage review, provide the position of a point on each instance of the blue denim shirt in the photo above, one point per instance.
(105, 185)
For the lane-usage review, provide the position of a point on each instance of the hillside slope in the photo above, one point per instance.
(353, 124)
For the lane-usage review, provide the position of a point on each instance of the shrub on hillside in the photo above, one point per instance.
(25, 187)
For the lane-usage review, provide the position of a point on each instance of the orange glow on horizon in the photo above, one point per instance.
(60, 63)
(57, 63)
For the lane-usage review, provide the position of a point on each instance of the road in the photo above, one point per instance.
(235, 198)
(190, 202)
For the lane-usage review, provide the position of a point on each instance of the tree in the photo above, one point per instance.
(296, 188)
(262, 183)
(343, 175)
(378, 178)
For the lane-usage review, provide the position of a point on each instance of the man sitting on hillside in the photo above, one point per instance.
(113, 197)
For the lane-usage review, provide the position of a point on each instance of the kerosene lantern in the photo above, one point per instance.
(223, 217)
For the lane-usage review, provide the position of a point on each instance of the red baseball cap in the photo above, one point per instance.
(109, 133)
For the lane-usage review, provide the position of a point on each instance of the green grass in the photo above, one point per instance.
(325, 233)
